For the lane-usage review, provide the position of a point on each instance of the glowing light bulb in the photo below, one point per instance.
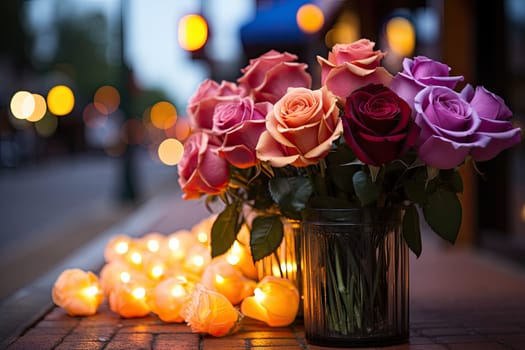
(136, 258)
(139, 293)
(125, 277)
(259, 295)
(174, 243)
(219, 279)
(233, 259)
(90, 291)
(202, 237)
(153, 245)
(122, 248)
(178, 291)
(198, 260)
(157, 271)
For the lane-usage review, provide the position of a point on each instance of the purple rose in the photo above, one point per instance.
(419, 73)
(238, 124)
(495, 124)
(449, 126)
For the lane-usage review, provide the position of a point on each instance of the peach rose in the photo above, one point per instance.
(201, 105)
(269, 76)
(201, 170)
(211, 312)
(351, 66)
(77, 292)
(300, 128)
(276, 302)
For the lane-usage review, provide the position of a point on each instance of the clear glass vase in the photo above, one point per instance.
(286, 260)
(355, 277)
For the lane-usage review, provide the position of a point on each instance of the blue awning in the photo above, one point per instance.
(275, 24)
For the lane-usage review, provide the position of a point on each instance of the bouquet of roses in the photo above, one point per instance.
(365, 138)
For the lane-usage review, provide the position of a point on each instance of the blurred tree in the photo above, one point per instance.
(14, 39)
(81, 51)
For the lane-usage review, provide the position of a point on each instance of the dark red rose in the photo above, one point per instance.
(377, 124)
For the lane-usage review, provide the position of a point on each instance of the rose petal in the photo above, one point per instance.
(268, 149)
(501, 135)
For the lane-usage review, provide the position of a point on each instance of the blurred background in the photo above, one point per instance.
(93, 96)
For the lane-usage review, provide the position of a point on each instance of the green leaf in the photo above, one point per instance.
(342, 164)
(366, 190)
(224, 230)
(291, 194)
(415, 188)
(266, 236)
(453, 179)
(443, 213)
(411, 230)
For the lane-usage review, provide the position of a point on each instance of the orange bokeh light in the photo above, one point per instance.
(163, 115)
(193, 32)
(106, 99)
(310, 18)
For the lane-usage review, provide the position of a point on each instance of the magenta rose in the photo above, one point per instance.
(238, 124)
(201, 170)
(202, 104)
(419, 73)
(300, 128)
(268, 77)
(377, 125)
(351, 66)
(448, 125)
(495, 124)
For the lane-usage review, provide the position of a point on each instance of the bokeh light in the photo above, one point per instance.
(345, 30)
(163, 115)
(106, 99)
(22, 104)
(60, 100)
(310, 18)
(46, 126)
(93, 117)
(40, 108)
(401, 36)
(192, 32)
(170, 151)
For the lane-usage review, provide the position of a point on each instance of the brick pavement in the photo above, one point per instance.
(460, 299)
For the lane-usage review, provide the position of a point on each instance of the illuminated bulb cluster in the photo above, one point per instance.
(174, 277)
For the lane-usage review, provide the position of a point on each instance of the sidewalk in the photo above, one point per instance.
(459, 299)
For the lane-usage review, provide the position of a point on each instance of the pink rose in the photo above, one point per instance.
(351, 66)
(202, 104)
(201, 170)
(269, 76)
(495, 124)
(300, 128)
(239, 123)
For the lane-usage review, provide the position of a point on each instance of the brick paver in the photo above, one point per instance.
(459, 299)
